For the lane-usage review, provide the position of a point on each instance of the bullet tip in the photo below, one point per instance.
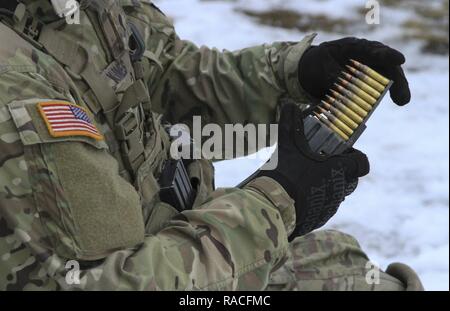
(327, 105)
(321, 109)
(352, 69)
(331, 99)
(335, 93)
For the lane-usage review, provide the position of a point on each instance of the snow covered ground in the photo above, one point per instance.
(401, 211)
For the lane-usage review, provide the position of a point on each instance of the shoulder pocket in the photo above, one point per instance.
(87, 209)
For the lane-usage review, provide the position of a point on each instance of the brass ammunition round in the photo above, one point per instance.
(363, 77)
(362, 85)
(341, 115)
(344, 109)
(359, 92)
(369, 71)
(348, 131)
(333, 127)
(350, 104)
(353, 97)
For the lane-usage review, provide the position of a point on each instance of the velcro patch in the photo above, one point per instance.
(66, 119)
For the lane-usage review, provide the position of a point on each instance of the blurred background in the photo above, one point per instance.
(401, 211)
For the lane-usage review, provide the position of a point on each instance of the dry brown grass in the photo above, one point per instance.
(295, 20)
(430, 27)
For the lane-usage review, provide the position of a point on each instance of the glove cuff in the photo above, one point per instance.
(291, 70)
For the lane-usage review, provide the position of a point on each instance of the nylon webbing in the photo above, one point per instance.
(76, 57)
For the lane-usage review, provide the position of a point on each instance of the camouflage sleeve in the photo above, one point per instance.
(55, 213)
(222, 86)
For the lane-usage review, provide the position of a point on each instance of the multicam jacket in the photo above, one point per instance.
(74, 202)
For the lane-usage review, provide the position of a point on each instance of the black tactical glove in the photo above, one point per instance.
(317, 183)
(321, 65)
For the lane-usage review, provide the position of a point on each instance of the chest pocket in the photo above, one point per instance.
(84, 205)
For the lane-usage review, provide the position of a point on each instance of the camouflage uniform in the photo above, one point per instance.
(77, 197)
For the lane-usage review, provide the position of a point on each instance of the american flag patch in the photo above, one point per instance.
(66, 119)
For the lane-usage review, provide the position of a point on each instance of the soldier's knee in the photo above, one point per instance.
(322, 247)
(330, 237)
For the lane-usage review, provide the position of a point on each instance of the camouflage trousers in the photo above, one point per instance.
(331, 260)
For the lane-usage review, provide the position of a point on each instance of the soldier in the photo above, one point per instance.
(83, 145)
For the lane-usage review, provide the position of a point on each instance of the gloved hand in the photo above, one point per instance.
(321, 65)
(318, 184)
